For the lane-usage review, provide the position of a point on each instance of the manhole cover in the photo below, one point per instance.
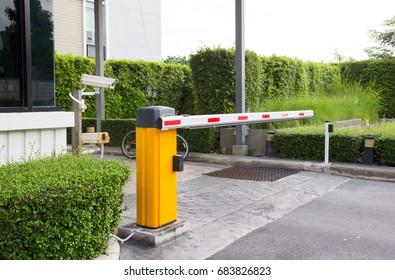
(252, 173)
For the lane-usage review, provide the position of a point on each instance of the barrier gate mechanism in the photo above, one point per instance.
(156, 154)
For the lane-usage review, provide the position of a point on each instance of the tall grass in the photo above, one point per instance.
(342, 103)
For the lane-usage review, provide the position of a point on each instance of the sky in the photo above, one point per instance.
(305, 29)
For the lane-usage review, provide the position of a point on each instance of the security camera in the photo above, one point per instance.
(98, 82)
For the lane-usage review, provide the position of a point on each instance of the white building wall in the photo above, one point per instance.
(69, 26)
(134, 29)
(31, 135)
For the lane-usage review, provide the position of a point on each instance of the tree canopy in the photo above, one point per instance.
(386, 40)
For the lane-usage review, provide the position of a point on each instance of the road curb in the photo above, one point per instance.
(372, 172)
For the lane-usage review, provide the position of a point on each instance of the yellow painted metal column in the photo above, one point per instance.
(156, 191)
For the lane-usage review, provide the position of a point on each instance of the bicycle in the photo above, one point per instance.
(129, 145)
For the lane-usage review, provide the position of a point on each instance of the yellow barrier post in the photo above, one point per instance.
(156, 181)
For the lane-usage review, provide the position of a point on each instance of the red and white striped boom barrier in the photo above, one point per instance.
(219, 120)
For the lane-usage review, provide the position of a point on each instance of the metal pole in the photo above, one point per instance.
(240, 70)
(76, 140)
(326, 161)
(99, 42)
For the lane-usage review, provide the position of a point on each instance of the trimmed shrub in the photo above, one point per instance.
(377, 73)
(213, 75)
(202, 140)
(68, 71)
(59, 207)
(307, 143)
(346, 144)
(287, 77)
(323, 77)
(283, 77)
(199, 140)
(140, 84)
(254, 80)
(385, 143)
(116, 129)
(385, 150)
(382, 75)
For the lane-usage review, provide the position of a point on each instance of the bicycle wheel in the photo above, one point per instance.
(129, 145)
(182, 147)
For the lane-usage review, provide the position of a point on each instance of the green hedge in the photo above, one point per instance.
(377, 73)
(202, 140)
(307, 143)
(140, 84)
(385, 143)
(213, 75)
(68, 70)
(199, 140)
(285, 77)
(346, 144)
(385, 150)
(116, 129)
(59, 207)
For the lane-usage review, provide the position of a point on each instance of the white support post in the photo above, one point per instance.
(99, 42)
(326, 160)
(102, 151)
(77, 129)
(240, 77)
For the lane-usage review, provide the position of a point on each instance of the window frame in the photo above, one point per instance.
(26, 67)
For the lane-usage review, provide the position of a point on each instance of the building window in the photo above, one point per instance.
(11, 94)
(26, 56)
(90, 29)
(90, 23)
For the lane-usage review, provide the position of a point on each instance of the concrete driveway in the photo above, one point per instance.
(355, 221)
(307, 215)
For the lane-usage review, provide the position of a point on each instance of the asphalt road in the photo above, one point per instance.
(353, 221)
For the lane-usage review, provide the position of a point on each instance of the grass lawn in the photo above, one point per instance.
(344, 102)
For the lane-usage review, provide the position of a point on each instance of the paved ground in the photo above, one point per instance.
(220, 211)
(354, 221)
(309, 215)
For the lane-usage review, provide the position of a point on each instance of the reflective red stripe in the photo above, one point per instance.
(284, 115)
(265, 116)
(301, 114)
(242, 118)
(210, 120)
(173, 122)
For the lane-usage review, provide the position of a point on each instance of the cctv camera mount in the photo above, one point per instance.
(97, 82)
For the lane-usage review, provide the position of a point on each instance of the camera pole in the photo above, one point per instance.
(77, 129)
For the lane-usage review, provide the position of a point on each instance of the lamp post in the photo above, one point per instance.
(241, 148)
(99, 42)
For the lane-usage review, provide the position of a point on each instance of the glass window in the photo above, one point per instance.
(90, 23)
(90, 29)
(26, 56)
(11, 94)
(42, 51)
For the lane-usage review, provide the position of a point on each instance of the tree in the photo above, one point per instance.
(337, 56)
(183, 60)
(386, 39)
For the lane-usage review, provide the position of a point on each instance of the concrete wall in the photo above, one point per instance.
(255, 139)
(31, 135)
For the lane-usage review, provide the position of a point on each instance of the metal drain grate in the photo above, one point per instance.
(252, 173)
